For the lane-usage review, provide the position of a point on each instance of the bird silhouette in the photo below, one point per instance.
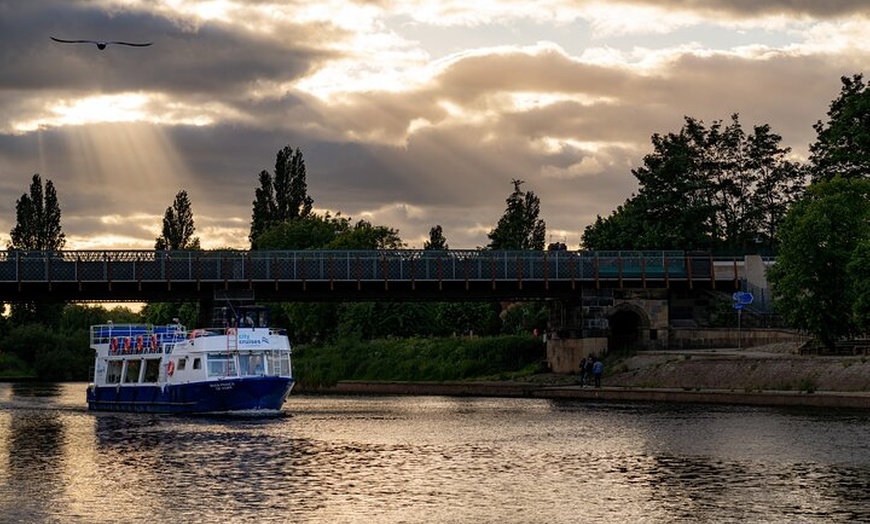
(101, 44)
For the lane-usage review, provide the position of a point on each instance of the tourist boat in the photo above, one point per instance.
(241, 367)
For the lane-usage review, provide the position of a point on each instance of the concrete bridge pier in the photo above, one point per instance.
(604, 320)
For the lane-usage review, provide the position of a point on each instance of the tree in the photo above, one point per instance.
(704, 188)
(178, 226)
(37, 225)
(859, 278)
(436, 240)
(842, 144)
(519, 227)
(309, 232)
(778, 184)
(37, 228)
(282, 198)
(819, 243)
(263, 214)
(364, 235)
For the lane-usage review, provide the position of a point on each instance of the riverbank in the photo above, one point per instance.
(772, 375)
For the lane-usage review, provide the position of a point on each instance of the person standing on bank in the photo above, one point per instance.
(597, 371)
(583, 372)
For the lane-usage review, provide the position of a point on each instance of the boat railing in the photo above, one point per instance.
(146, 335)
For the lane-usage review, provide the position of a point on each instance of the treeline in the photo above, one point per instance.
(366, 346)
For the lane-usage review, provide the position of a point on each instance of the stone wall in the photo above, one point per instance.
(564, 355)
(694, 338)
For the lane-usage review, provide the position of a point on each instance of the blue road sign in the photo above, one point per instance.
(743, 298)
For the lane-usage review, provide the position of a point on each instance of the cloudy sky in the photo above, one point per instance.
(409, 113)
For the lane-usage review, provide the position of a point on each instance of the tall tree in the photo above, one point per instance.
(822, 234)
(436, 240)
(263, 214)
(704, 188)
(178, 226)
(842, 145)
(282, 198)
(37, 228)
(778, 183)
(38, 219)
(519, 227)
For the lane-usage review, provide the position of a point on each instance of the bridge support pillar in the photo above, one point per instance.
(605, 320)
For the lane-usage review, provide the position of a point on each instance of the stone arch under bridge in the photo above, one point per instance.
(630, 320)
(628, 327)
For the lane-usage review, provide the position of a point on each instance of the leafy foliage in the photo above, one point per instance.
(704, 188)
(821, 238)
(519, 227)
(57, 352)
(178, 226)
(38, 215)
(416, 359)
(436, 240)
(308, 232)
(842, 145)
(282, 198)
(163, 313)
(37, 228)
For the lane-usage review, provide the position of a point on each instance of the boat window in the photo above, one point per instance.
(152, 370)
(132, 374)
(197, 364)
(113, 371)
(279, 364)
(251, 365)
(221, 365)
(182, 363)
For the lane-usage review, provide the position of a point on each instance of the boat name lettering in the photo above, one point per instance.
(221, 386)
(246, 339)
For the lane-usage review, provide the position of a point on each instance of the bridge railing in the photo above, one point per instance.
(326, 265)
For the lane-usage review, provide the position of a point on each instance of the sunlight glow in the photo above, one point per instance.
(608, 19)
(126, 107)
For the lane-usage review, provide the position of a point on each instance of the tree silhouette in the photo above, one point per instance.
(178, 226)
(436, 240)
(282, 198)
(37, 219)
(519, 227)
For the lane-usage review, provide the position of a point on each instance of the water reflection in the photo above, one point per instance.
(34, 455)
(430, 459)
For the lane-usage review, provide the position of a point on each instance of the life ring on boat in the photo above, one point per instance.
(170, 368)
(127, 345)
(139, 344)
(114, 346)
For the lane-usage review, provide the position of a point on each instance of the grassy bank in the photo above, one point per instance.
(418, 359)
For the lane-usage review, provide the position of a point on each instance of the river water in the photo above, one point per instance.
(430, 459)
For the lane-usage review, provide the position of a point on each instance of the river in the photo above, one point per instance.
(346, 459)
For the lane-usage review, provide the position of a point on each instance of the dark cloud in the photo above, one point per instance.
(753, 8)
(442, 153)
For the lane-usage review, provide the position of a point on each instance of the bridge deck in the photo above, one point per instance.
(177, 275)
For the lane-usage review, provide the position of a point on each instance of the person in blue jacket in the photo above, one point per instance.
(597, 371)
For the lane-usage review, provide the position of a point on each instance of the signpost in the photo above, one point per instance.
(741, 300)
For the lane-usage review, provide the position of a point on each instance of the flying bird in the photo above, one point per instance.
(100, 43)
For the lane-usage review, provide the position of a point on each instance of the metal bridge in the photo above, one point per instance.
(321, 275)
